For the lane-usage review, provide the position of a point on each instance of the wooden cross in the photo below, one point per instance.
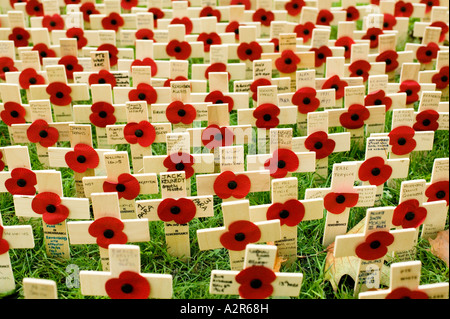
(438, 18)
(340, 197)
(359, 63)
(428, 115)
(35, 288)
(176, 38)
(379, 94)
(107, 227)
(438, 76)
(436, 188)
(125, 280)
(257, 279)
(237, 232)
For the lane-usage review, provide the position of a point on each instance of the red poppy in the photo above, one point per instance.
(227, 185)
(409, 214)
(246, 3)
(375, 171)
(347, 43)
(402, 140)
(378, 98)
(178, 112)
(186, 21)
(4, 245)
(320, 143)
(233, 26)
(180, 50)
(266, 115)
(210, 12)
(444, 29)
(304, 30)
(390, 58)
(335, 83)
(372, 35)
(324, 17)
(375, 2)
(102, 77)
(430, 4)
(13, 113)
(375, 245)
(352, 14)
(6, 65)
(411, 88)
(426, 121)
(22, 182)
(425, 54)
(144, 34)
(249, 51)
(255, 84)
(217, 67)
(360, 68)
(209, 39)
(282, 161)
(48, 205)
(128, 4)
(143, 92)
(215, 136)
(72, 1)
(336, 203)
(129, 285)
(441, 79)
(44, 51)
(157, 14)
(108, 230)
(40, 132)
(403, 9)
(53, 22)
(406, 293)
(287, 62)
(305, 99)
(255, 282)
(81, 158)
(78, 34)
(20, 37)
(2, 164)
(146, 62)
(71, 64)
(142, 133)
(59, 93)
(88, 8)
(321, 55)
(217, 97)
(178, 78)
(29, 77)
(294, 7)
(102, 114)
(127, 186)
(438, 191)
(290, 213)
(113, 21)
(354, 117)
(113, 51)
(34, 8)
(239, 234)
(389, 21)
(180, 161)
(263, 16)
(181, 210)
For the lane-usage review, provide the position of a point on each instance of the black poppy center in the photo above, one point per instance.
(306, 100)
(318, 145)
(113, 22)
(50, 208)
(281, 164)
(376, 171)
(101, 81)
(263, 18)
(444, 78)
(141, 96)
(5, 69)
(388, 61)
(284, 214)
(181, 112)
(288, 61)
(21, 182)
(323, 19)
(410, 215)
(81, 159)
(126, 288)
(239, 236)
(354, 117)
(408, 92)
(401, 141)
(340, 199)
(179, 166)
(177, 49)
(14, 114)
(359, 72)
(349, 15)
(120, 188)
(306, 32)
(267, 117)
(236, 31)
(219, 102)
(375, 244)
(43, 54)
(335, 86)
(43, 133)
(138, 133)
(53, 23)
(175, 210)
(218, 137)
(346, 48)
(430, 3)
(378, 102)
(295, 6)
(37, 9)
(403, 9)
(385, 25)
(209, 41)
(59, 95)
(145, 38)
(102, 114)
(32, 80)
(426, 122)
(108, 233)
(321, 56)
(69, 67)
(248, 51)
(256, 283)
(373, 37)
(19, 37)
(88, 12)
(440, 194)
(428, 53)
(232, 185)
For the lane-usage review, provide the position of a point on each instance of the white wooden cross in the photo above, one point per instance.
(359, 63)
(125, 280)
(437, 188)
(36, 288)
(237, 232)
(378, 94)
(438, 18)
(107, 227)
(428, 116)
(176, 41)
(257, 279)
(439, 75)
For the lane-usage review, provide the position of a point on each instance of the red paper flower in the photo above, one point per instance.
(335, 83)
(336, 203)
(78, 34)
(59, 93)
(4, 245)
(255, 282)
(178, 112)
(352, 14)
(402, 140)
(210, 12)
(438, 191)
(178, 78)
(305, 99)
(321, 55)
(276, 44)
(430, 4)
(40, 132)
(233, 26)
(142, 133)
(441, 78)
(246, 3)
(239, 234)
(375, 245)
(389, 21)
(29, 77)
(411, 88)
(102, 114)
(255, 84)
(48, 205)
(180, 50)
(209, 39)
(13, 113)
(53, 22)
(112, 50)
(181, 210)
(444, 29)
(375, 171)
(282, 161)
(263, 16)
(72, 1)
(425, 54)
(249, 51)
(6, 65)
(127, 186)
(129, 285)
(186, 21)
(21, 182)
(157, 14)
(426, 121)
(71, 64)
(143, 92)
(409, 214)
(44, 51)
(360, 68)
(290, 213)
(390, 58)
(81, 158)
(354, 117)
(144, 34)
(34, 8)
(20, 37)
(108, 230)
(266, 115)
(180, 161)
(378, 98)
(215, 136)
(347, 43)
(88, 8)
(2, 164)
(287, 62)
(112, 22)
(227, 185)
(403, 9)
(147, 62)
(217, 67)
(304, 30)
(406, 293)
(128, 4)
(294, 7)
(102, 77)
(324, 17)
(320, 143)
(372, 35)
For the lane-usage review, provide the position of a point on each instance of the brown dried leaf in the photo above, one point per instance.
(278, 259)
(439, 246)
